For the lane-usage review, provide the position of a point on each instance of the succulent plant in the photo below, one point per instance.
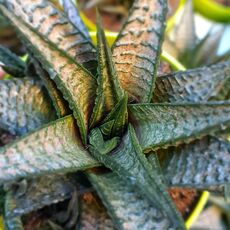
(183, 43)
(81, 108)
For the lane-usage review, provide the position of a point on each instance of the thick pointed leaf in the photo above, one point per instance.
(137, 50)
(11, 63)
(195, 85)
(162, 125)
(15, 222)
(116, 121)
(40, 192)
(206, 51)
(73, 14)
(201, 164)
(60, 104)
(54, 148)
(181, 41)
(129, 162)
(25, 105)
(184, 32)
(55, 26)
(126, 207)
(109, 92)
(76, 84)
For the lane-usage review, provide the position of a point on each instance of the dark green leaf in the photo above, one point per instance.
(61, 106)
(54, 148)
(11, 63)
(126, 207)
(76, 84)
(53, 25)
(109, 92)
(116, 121)
(163, 125)
(129, 162)
(98, 142)
(2, 198)
(195, 85)
(201, 164)
(156, 167)
(25, 105)
(40, 192)
(137, 50)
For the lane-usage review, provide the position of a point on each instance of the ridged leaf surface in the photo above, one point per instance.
(45, 18)
(60, 104)
(109, 92)
(76, 84)
(127, 208)
(204, 163)
(24, 105)
(136, 51)
(195, 85)
(54, 148)
(40, 192)
(129, 162)
(162, 125)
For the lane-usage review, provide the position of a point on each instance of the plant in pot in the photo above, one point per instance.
(106, 114)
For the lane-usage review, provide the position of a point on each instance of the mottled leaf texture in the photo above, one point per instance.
(11, 63)
(129, 162)
(201, 164)
(73, 14)
(24, 105)
(61, 106)
(224, 93)
(40, 192)
(15, 222)
(128, 210)
(54, 148)
(115, 122)
(194, 85)
(56, 27)
(137, 50)
(156, 167)
(109, 92)
(76, 84)
(93, 214)
(162, 125)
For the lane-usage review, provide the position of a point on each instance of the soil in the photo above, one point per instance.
(5, 138)
(184, 199)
